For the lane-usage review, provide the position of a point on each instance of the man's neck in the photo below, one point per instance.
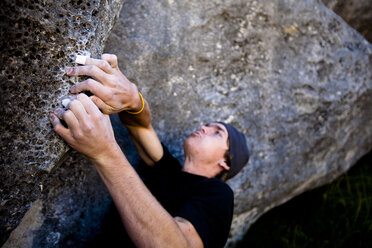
(196, 168)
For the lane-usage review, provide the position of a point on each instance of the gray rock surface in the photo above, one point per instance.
(38, 41)
(357, 13)
(292, 75)
(69, 211)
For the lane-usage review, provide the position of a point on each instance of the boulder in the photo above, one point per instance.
(292, 75)
(38, 41)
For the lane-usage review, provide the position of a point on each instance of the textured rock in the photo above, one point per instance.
(357, 13)
(38, 40)
(291, 74)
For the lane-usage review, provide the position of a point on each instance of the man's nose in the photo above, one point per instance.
(204, 129)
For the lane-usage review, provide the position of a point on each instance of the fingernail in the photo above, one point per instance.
(51, 117)
(58, 111)
(69, 70)
(73, 89)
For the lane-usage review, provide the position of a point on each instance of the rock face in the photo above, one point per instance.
(357, 13)
(293, 76)
(38, 41)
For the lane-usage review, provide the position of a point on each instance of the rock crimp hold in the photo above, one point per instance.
(292, 75)
(38, 41)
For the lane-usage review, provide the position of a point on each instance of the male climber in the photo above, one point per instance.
(171, 205)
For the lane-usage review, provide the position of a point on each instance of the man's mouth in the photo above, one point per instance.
(196, 133)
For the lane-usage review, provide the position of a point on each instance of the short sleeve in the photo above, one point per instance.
(167, 161)
(166, 166)
(210, 211)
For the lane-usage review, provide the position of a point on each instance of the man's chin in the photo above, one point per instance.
(188, 143)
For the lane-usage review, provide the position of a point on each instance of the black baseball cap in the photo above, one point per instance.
(238, 150)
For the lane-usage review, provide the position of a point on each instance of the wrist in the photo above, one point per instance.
(139, 105)
(108, 157)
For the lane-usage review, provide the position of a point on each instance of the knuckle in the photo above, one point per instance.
(67, 114)
(88, 127)
(100, 117)
(81, 96)
(72, 104)
(134, 87)
(103, 63)
(78, 134)
(89, 82)
(91, 68)
(97, 117)
(106, 96)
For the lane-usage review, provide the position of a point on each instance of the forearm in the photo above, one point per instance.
(142, 134)
(146, 221)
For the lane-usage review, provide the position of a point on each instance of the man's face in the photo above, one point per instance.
(208, 144)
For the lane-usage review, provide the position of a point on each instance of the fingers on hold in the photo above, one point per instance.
(105, 109)
(92, 70)
(82, 97)
(73, 104)
(104, 65)
(58, 127)
(70, 71)
(98, 89)
(101, 64)
(88, 104)
(78, 107)
(87, 85)
(97, 73)
(68, 115)
(91, 85)
(111, 59)
(59, 113)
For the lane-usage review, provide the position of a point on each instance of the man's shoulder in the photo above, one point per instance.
(167, 157)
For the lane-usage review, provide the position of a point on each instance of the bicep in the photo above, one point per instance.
(147, 144)
(189, 232)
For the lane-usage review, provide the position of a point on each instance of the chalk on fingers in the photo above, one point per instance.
(66, 102)
(81, 59)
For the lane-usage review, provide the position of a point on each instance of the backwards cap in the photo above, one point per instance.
(238, 150)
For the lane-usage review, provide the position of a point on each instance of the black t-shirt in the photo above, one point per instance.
(206, 202)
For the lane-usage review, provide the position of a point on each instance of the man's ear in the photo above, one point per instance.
(224, 165)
